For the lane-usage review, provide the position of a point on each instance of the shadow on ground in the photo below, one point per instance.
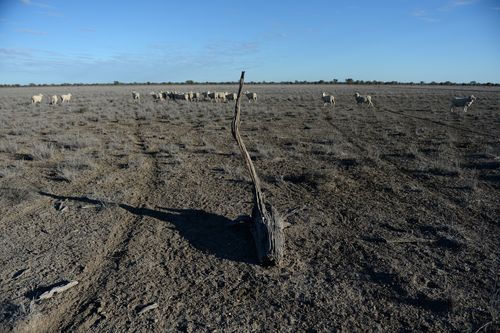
(207, 232)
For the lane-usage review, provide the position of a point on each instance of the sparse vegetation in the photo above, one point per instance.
(392, 211)
(43, 151)
(14, 196)
(8, 146)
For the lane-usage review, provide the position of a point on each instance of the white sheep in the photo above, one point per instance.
(136, 96)
(53, 100)
(216, 96)
(462, 102)
(156, 96)
(328, 99)
(231, 96)
(65, 98)
(363, 99)
(196, 96)
(36, 98)
(220, 96)
(251, 96)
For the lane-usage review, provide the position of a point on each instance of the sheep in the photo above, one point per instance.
(181, 96)
(231, 96)
(206, 95)
(53, 100)
(164, 95)
(160, 96)
(462, 102)
(251, 96)
(216, 96)
(156, 96)
(220, 96)
(328, 99)
(211, 96)
(36, 98)
(363, 99)
(136, 96)
(65, 98)
(196, 96)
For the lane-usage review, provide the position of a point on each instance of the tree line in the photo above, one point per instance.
(192, 82)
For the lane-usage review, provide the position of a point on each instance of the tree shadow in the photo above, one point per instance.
(207, 232)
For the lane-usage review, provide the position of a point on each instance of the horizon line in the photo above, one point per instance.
(287, 82)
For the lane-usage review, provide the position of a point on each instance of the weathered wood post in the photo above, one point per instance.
(267, 225)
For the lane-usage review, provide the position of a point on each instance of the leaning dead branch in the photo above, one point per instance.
(55, 290)
(267, 224)
(147, 308)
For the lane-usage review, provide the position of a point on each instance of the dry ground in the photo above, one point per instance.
(399, 227)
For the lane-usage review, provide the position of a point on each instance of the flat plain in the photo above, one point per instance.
(394, 211)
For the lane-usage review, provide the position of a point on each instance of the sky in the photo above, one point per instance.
(98, 41)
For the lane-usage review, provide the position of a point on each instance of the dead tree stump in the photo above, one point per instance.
(267, 225)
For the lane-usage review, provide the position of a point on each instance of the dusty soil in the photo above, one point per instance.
(396, 227)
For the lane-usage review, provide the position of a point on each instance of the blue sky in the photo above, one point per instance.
(56, 41)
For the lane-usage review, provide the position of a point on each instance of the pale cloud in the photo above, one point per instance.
(42, 59)
(276, 34)
(228, 48)
(43, 65)
(423, 15)
(32, 32)
(14, 52)
(458, 3)
(418, 13)
(37, 4)
(430, 15)
(52, 14)
(88, 29)
(213, 55)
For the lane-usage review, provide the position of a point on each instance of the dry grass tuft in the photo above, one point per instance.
(76, 142)
(8, 146)
(14, 196)
(317, 180)
(43, 151)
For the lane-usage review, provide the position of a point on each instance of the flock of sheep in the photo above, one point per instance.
(456, 102)
(330, 99)
(54, 99)
(195, 96)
